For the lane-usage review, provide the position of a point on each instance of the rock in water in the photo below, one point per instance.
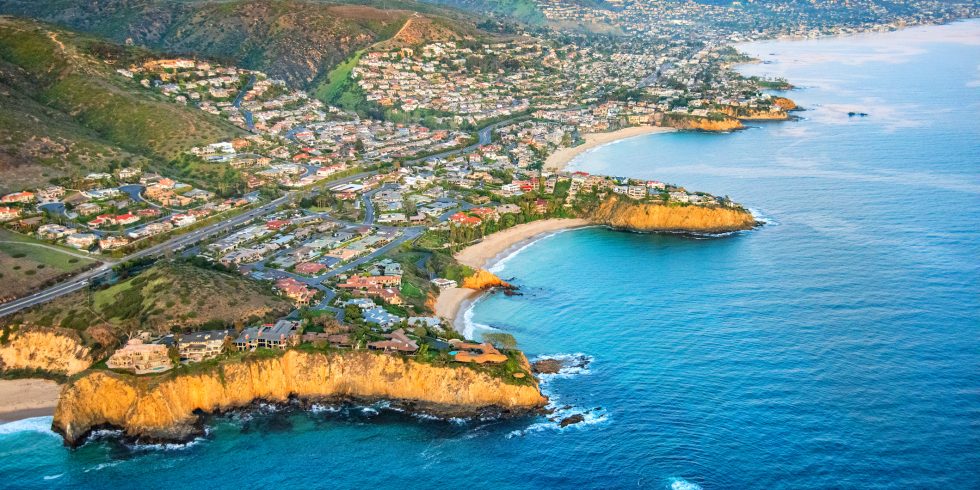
(572, 419)
(547, 366)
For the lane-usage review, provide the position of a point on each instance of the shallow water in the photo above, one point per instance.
(836, 347)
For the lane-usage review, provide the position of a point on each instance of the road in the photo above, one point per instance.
(249, 123)
(484, 136)
(174, 244)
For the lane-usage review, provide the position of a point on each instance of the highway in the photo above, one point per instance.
(185, 240)
(191, 238)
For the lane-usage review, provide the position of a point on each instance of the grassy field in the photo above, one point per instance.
(26, 264)
(331, 89)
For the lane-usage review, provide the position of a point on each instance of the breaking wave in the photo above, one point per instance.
(33, 424)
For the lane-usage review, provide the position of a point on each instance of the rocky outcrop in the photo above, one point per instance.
(627, 214)
(755, 114)
(700, 123)
(483, 279)
(785, 104)
(53, 350)
(167, 408)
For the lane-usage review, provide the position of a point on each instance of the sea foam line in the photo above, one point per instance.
(33, 424)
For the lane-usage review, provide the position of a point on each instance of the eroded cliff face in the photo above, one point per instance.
(622, 213)
(483, 280)
(55, 350)
(702, 123)
(163, 409)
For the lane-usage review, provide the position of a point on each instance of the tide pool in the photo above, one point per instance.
(836, 347)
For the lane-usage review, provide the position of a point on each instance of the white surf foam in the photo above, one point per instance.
(682, 484)
(33, 424)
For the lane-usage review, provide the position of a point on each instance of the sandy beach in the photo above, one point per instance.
(481, 255)
(559, 159)
(24, 398)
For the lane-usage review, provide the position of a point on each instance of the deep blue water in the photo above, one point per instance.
(836, 347)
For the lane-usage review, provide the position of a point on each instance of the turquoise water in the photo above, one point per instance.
(837, 347)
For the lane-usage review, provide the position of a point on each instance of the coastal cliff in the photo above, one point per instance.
(483, 279)
(700, 123)
(778, 111)
(625, 214)
(166, 408)
(53, 350)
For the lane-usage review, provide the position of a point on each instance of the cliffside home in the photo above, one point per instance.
(201, 346)
(141, 358)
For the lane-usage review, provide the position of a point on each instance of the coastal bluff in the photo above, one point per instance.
(53, 350)
(620, 213)
(168, 408)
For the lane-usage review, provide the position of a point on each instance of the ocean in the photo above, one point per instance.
(838, 346)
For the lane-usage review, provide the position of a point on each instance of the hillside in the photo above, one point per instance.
(166, 297)
(65, 112)
(295, 40)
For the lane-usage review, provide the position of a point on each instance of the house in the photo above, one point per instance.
(424, 321)
(52, 231)
(21, 197)
(88, 209)
(380, 316)
(82, 241)
(464, 219)
(8, 213)
(281, 335)
(112, 242)
(442, 283)
(276, 224)
(126, 219)
(128, 174)
(310, 268)
(484, 353)
(369, 282)
(508, 209)
(141, 358)
(201, 346)
(386, 267)
(396, 341)
(295, 290)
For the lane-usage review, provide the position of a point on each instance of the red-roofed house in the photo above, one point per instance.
(126, 219)
(8, 213)
(310, 268)
(276, 224)
(295, 290)
(25, 196)
(465, 219)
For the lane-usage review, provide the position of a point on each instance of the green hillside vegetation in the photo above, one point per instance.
(169, 296)
(68, 112)
(295, 40)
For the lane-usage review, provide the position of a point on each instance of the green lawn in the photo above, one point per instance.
(28, 247)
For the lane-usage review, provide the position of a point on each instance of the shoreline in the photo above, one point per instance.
(453, 303)
(27, 398)
(558, 160)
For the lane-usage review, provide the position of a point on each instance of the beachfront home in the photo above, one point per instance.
(443, 283)
(141, 358)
